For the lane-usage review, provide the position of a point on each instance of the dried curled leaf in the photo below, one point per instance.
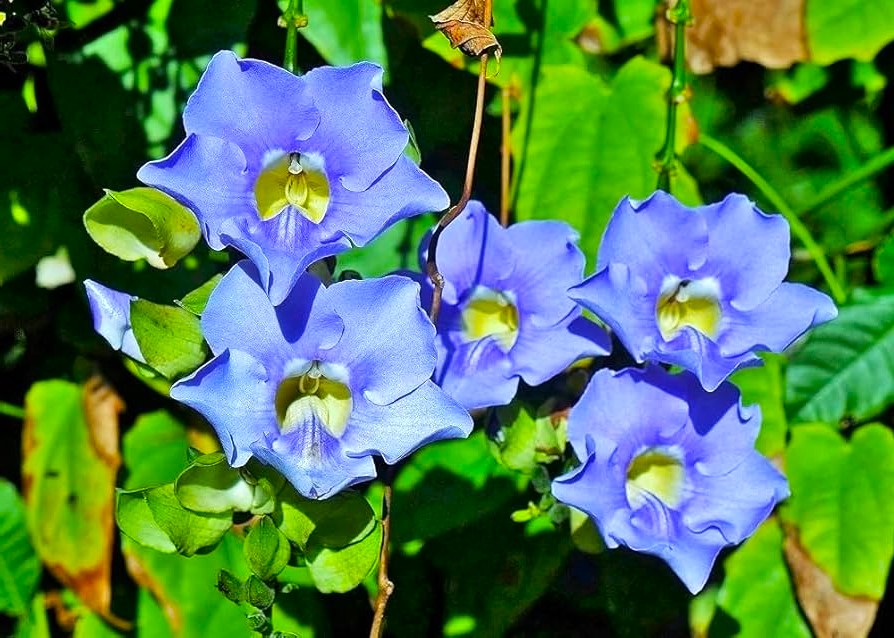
(464, 24)
(831, 613)
(725, 32)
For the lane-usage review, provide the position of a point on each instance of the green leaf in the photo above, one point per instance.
(335, 522)
(589, 144)
(196, 300)
(267, 549)
(160, 522)
(526, 440)
(19, 564)
(395, 249)
(154, 450)
(170, 338)
(768, 610)
(143, 223)
(831, 29)
(447, 485)
(185, 589)
(883, 261)
(341, 570)
(843, 504)
(346, 32)
(258, 593)
(844, 368)
(764, 387)
(35, 624)
(210, 485)
(91, 625)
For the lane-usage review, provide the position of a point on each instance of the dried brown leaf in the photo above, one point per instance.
(725, 32)
(465, 24)
(831, 613)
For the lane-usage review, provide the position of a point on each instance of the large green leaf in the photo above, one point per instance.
(843, 504)
(768, 610)
(764, 386)
(838, 29)
(590, 143)
(185, 589)
(143, 223)
(169, 337)
(345, 32)
(19, 565)
(335, 522)
(844, 369)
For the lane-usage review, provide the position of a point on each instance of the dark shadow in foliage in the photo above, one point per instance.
(198, 27)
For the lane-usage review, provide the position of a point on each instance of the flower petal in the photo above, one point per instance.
(790, 311)
(252, 103)
(388, 341)
(478, 374)
(111, 318)
(235, 394)
(314, 461)
(540, 354)
(655, 237)
(239, 315)
(207, 175)
(748, 250)
(395, 430)
(551, 264)
(360, 135)
(402, 191)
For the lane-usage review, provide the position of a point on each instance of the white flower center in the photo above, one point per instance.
(655, 471)
(491, 313)
(688, 302)
(310, 397)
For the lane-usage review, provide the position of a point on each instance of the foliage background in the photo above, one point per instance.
(588, 103)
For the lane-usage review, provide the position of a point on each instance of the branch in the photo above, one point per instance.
(505, 155)
(386, 587)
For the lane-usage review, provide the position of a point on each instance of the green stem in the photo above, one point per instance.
(293, 19)
(10, 410)
(666, 160)
(798, 228)
(875, 165)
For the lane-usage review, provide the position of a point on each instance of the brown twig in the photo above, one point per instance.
(506, 155)
(431, 265)
(386, 587)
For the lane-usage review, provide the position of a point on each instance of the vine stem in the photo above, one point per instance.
(293, 19)
(505, 154)
(10, 410)
(385, 585)
(680, 16)
(431, 264)
(798, 228)
(873, 166)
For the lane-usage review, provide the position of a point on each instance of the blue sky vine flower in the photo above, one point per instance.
(319, 385)
(111, 318)
(668, 468)
(701, 287)
(291, 169)
(505, 312)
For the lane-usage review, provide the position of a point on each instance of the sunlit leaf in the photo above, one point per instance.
(343, 569)
(843, 504)
(844, 368)
(19, 564)
(764, 386)
(143, 223)
(832, 27)
(170, 338)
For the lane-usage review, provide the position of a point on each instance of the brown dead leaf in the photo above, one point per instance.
(725, 32)
(831, 613)
(102, 406)
(465, 24)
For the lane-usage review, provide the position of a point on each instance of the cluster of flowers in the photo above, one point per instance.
(318, 380)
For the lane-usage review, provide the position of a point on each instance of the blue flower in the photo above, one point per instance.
(111, 318)
(323, 382)
(291, 169)
(668, 468)
(699, 287)
(505, 312)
